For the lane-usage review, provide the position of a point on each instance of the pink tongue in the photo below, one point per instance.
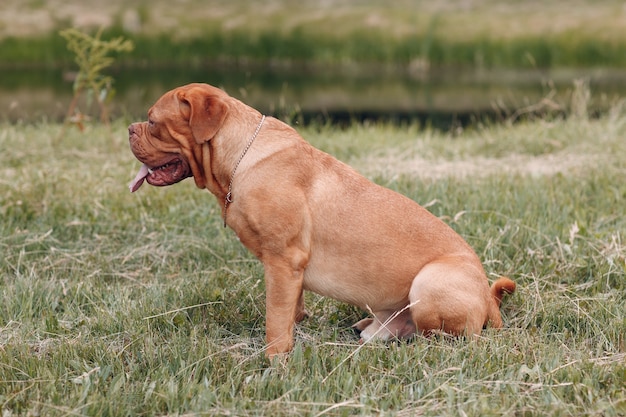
(141, 175)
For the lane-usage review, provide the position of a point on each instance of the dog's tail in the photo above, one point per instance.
(502, 286)
(498, 289)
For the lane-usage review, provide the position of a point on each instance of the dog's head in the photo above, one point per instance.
(170, 143)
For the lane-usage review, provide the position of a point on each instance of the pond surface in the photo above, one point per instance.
(301, 94)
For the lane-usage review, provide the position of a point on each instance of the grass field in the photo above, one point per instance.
(409, 34)
(143, 304)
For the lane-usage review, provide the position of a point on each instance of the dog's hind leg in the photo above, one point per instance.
(448, 296)
(386, 325)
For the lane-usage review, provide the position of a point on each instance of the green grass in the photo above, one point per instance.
(404, 34)
(309, 47)
(143, 304)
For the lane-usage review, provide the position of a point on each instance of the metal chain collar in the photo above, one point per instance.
(229, 196)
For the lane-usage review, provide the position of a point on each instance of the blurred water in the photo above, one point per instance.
(335, 95)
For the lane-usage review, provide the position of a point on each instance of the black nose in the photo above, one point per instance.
(131, 129)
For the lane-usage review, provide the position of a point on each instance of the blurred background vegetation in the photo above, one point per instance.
(460, 59)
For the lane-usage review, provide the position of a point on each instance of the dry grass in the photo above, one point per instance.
(554, 156)
(143, 304)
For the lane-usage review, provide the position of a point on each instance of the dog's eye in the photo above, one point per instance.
(151, 123)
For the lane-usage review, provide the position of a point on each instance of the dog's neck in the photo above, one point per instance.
(228, 199)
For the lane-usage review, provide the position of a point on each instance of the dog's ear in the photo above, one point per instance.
(205, 112)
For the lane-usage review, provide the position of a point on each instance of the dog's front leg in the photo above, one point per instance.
(284, 304)
(301, 312)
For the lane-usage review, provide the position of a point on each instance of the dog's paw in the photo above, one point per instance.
(301, 315)
(361, 325)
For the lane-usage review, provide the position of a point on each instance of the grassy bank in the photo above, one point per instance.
(410, 34)
(298, 47)
(120, 304)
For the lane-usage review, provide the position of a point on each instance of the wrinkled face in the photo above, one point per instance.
(178, 124)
